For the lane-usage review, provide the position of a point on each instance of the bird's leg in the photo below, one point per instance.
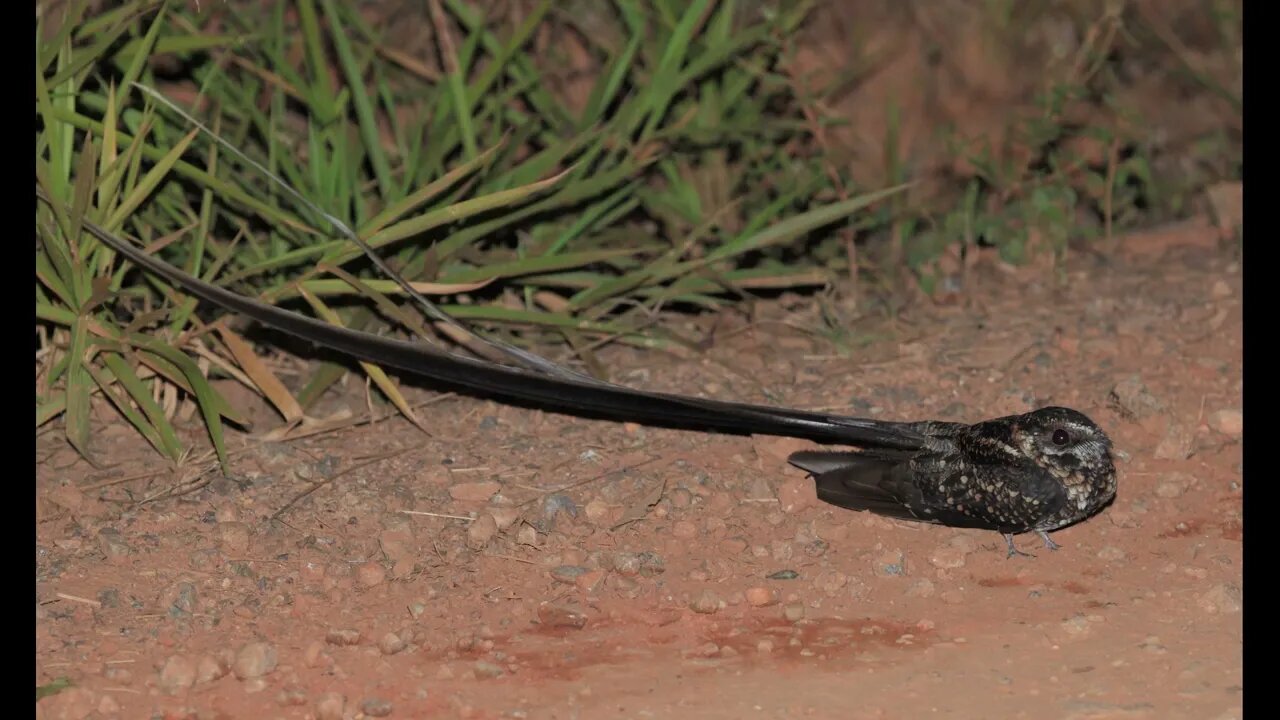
(1008, 538)
(1048, 541)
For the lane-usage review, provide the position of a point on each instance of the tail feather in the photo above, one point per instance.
(563, 392)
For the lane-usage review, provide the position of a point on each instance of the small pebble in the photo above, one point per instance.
(760, 596)
(371, 574)
(177, 673)
(255, 660)
(474, 492)
(504, 517)
(793, 612)
(947, 556)
(567, 574)
(685, 530)
(330, 706)
(597, 511)
(391, 643)
(1229, 422)
(377, 707)
(291, 696)
(1173, 485)
(487, 670)
(342, 636)
(112, 543)
(892, 562)
(706, 603)
(589, 582)
(1111, 553)
(1132, 395)
(560, 615)
(921, 589)
(211, 667)
(527, 535)
(796, 493)
(480, 532)
(1222, 598)
(234, 537)
(830, 582)
(1177, 444)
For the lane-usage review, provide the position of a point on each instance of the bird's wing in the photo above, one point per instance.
(881, 482)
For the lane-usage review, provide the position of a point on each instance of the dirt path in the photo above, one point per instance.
(731, 592)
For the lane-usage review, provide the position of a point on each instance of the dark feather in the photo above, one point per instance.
(880, 482)
(568, 393)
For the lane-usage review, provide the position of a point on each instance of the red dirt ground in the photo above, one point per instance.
(551, 605)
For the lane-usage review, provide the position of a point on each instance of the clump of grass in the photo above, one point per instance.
(679, 176)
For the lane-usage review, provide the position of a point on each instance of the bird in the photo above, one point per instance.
(1036, 472)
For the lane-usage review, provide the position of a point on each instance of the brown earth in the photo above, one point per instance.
(518, 563)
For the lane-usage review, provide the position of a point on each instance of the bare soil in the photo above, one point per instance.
(524, 564)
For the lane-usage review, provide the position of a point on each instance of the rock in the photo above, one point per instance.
(254, 660)
(830, 582)
(1133, 397)
(391, 643)
(234, 537)
(567, 574)
(504, 517)
(480, 532)
(343, 637)
(1173, 485)
(561, 615)
(1111, 553)
(213, 667)
(947, 556)
(793, 612)
(589, 582)
(330, 706)
(527, 535)
(684, 530)
(1229, 422)
(73, 703)
(112, 544)
(796, 493)
(554, 505)
(921, 589)
(487, 670)
(891, 562)
(1177, 444)
(67, 496)
(181, 598)
(291, 695)
(178, 673)
(376, 707)
(474, 492)
(644, 564)
(370, 574)
(1223, 598)
(597, 511)
(760, 596)
(706, 603)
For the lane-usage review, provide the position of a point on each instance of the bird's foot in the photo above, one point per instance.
(1048, 541)
(1008, 539)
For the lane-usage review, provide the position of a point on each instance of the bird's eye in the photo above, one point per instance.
(1061, 437)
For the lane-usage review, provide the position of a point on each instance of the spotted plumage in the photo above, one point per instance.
(1035, 472)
